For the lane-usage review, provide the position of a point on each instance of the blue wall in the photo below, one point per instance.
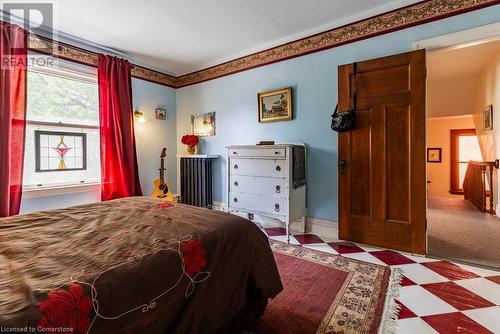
(150, 138)
(155, 134)
(314, 80)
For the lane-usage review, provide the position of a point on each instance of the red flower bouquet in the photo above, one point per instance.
(191, 141)
(194, 257)
(67, 308)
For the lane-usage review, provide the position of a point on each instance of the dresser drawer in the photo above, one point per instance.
(264, 152)
(257, 167)
(268, 186)
(257, 203)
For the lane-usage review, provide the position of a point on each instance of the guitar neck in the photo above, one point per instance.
(162, 171)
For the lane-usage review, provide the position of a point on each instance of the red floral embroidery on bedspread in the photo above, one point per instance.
(66, 308)
(194, 257)
(165, 205)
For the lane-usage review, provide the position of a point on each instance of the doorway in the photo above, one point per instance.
(464, 147)
(463, 143)
(383, 197)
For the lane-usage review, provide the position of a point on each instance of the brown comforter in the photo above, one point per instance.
(134, 265)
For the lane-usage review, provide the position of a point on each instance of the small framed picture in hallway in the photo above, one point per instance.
(488, 118)
(434, 154)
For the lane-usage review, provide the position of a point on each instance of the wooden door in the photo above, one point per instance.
(382, 182)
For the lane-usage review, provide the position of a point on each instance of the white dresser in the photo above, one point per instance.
(262, 182)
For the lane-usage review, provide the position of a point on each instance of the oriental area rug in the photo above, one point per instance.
(329, 294)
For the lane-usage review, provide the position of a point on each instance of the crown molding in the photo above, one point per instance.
(398, 19)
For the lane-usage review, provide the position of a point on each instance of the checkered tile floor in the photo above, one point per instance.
(435, 296)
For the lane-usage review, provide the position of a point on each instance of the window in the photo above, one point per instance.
(62, 130)
(464, 148)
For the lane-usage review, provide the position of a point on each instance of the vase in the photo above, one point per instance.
(191, 150)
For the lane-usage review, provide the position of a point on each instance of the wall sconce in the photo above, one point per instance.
(139, 116)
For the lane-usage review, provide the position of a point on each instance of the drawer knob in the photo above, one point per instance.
(278, 189)
(235, 199)
(278, 168)
(276, 207)
(235, 183)
(235, 166)
(235, 152)
(276, 152)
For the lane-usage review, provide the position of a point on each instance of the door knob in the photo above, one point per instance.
(278, 189)
(278, 168)
(235, 183)
(235, 166)
(276, 207)
(235, 199)
(343, 166)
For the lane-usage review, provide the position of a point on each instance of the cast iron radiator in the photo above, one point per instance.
(196, 182)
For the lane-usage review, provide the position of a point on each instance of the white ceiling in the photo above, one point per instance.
(460, 61)
(180, 36)
(454, 78)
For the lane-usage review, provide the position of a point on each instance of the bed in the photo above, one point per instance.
(133, 265)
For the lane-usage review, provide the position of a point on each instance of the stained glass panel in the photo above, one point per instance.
(60, 151)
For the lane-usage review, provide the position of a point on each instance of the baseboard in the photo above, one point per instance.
(323, 228)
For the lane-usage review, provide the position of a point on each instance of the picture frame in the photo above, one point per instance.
(434, 154)
(275, 105)
(203, 125)
(488, 118)
(161, 114)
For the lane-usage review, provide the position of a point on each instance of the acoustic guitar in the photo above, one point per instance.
(161, 189)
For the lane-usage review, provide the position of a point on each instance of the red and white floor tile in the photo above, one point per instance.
(435, 296)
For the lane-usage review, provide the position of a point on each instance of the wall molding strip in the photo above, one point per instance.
(416, 14)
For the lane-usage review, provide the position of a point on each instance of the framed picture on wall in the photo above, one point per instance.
(161, 114)
(434, 154)
(275, 105)
(488, 118)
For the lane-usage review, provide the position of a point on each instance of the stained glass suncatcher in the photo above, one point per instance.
(60, 151)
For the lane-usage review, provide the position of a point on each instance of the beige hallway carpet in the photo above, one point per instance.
(457, 230)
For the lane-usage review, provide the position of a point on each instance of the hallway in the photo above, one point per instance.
(457, 230)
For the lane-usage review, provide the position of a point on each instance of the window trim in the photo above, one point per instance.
(60, 190)
(454, 158)
(63, 68)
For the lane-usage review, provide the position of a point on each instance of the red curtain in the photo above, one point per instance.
(13, 53)
(119, 172)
